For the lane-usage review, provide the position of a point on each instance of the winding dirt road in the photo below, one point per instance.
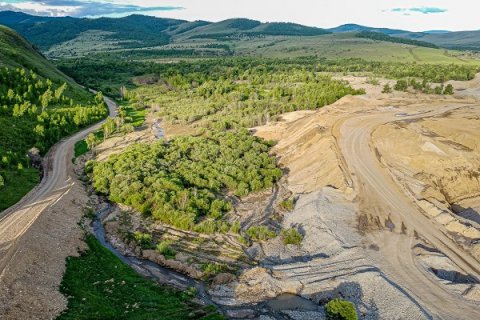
(57, 182)
(384, 201)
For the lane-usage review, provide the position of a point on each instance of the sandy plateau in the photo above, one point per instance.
(388, 190)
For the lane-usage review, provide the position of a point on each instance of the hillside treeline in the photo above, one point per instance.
(385, 37)
(109, 73)
(35, 112)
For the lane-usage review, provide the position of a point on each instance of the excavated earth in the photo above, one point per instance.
(426, 147)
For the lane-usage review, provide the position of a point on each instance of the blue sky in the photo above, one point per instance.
(416, 15)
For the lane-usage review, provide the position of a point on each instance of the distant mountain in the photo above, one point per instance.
(359, 28)
(132, 31)
(67, 35)
(436, 31)
(385, 37)
(460, 40)
(137, 31)
(13, 17)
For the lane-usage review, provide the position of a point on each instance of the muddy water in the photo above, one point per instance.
(288, 301)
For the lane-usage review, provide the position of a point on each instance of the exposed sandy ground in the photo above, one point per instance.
(117, 143)
(333, 147)
(38, 233)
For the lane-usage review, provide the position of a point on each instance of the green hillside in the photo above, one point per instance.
(459, 40)
(39, 105)
(15, 52)
(384, 37)
(139, 37)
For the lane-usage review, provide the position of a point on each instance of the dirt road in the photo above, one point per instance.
(57, 183)
(386, 202)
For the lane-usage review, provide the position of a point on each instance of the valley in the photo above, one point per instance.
(237, 169)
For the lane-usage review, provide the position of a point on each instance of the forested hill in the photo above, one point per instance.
(137, 31)
(384, 37)
(147, 37)
(39, 105)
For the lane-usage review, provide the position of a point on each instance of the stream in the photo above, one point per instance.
(180, 281)
(147, 268)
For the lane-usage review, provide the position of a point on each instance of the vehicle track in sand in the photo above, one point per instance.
(383, 200)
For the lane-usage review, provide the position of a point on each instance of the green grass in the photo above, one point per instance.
(137, 116)
(291, 236)
(17, 184)
(99, 286)
(348, 46)
(81, 146)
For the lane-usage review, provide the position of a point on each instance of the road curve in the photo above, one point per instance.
(383, 199)
(57, 181)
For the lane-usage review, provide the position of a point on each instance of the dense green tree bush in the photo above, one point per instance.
(339, 309)
(184, 182)
(36, 112)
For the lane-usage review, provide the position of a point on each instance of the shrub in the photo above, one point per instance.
(339, 309)
(401, 85)
(212, 268)
(448, 89)
(288, 204)
(144, 240)
(2, 182)
(260, 233)
(373, 81)
(207, 226)
(291, 236)
(236, 227)
(387, 89)
(166, 250)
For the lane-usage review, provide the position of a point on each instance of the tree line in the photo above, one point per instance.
(36, 113)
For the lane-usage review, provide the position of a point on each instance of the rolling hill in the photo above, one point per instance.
(145, 37)
(137, 31)
(39, 106)
(460, 40)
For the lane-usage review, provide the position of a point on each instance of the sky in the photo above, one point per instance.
(414, 15)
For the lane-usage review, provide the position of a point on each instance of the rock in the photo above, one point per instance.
(257, 285)
(154, 256)
(264, 317)
(241, 314)
(223, 278)
(305, 315)
(111, 227)
(255, 252)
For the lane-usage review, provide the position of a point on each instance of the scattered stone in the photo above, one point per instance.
(241, 314)
(223, 278)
